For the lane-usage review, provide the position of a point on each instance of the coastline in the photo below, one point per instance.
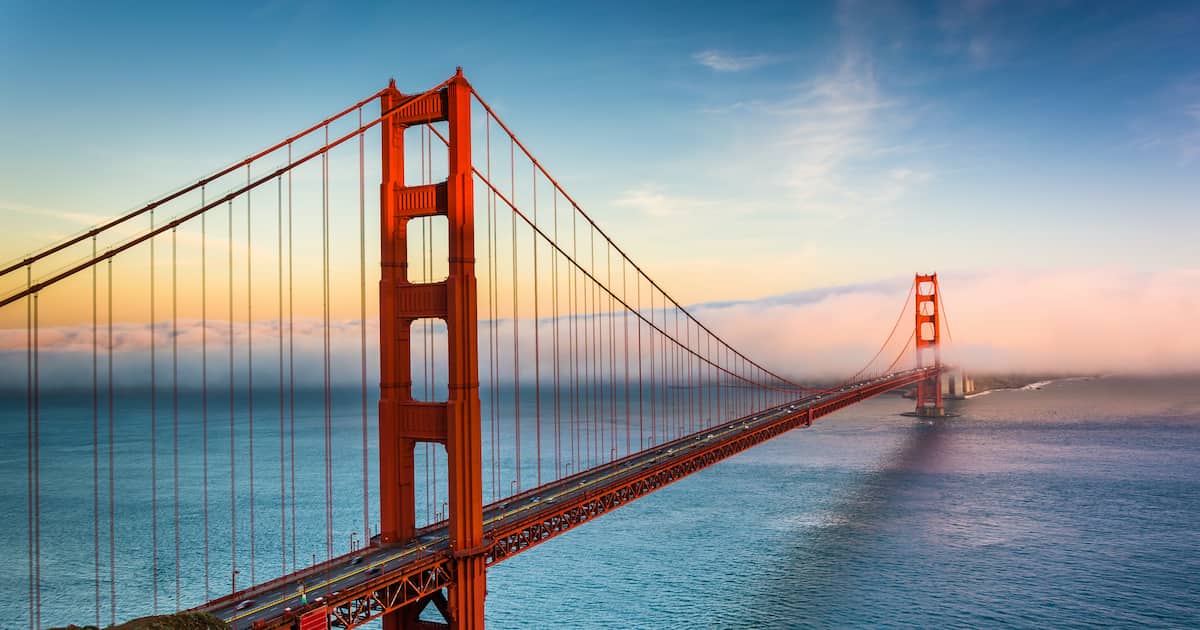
(987, 384)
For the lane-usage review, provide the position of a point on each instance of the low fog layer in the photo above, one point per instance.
(1049, 322)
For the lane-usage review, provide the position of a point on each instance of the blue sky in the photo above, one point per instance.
(737, 153)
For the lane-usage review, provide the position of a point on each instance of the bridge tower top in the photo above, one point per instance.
(928, 342)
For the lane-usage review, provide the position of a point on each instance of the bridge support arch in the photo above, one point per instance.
(403, 421)
(928, 342)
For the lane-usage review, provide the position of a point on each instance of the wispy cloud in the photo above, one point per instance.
(653, 201)
(833, 145)
(79, 218)
(1174, 125)
(1191, 145)
(727, 62)
(970, 32)
(830, 124)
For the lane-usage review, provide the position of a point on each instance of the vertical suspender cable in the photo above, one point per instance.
(537, 358)
(708, 389)
(153, 436)
(362, 320)
(95, 440)
(612, 360)
(326, 362)
(594, 350)
(585, 437)
(430, 471)
(250, 376)
(723, 398)
(29, 442)
(625, 354)
(496, 397)
(689, 410)
(681, 399)
(232, 454)
(587, 393)
(667, 372)
(493, 311)
(572, 285)
(427, 254)
(112, 512)
(282, 406)
(662, 367)
(676, 406)
(204, 378)
(37, 472)
(175, 399)
(291, 372)
(557, 371)
(653, 375)
(641, 421)
(942, 316)
(516, 314)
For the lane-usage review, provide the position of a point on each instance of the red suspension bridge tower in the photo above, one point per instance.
(404, 421)
(928, 339)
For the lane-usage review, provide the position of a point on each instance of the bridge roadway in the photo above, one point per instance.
(357, 587)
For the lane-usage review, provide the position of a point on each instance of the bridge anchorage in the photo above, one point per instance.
(607, 384)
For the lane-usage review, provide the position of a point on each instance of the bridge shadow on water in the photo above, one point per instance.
(830, 574)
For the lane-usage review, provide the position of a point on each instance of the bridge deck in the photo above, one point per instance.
(361, 586)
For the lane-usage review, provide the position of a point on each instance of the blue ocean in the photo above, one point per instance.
(1073, 504)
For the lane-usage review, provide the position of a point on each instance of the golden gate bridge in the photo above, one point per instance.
(530, 376)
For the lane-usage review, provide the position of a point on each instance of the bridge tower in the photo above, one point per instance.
(928, 341)
(403, 421)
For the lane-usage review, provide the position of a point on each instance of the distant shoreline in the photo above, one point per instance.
(987, 384)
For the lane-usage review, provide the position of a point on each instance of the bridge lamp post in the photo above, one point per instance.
(352, 535)
(233, 581)
(512, 487)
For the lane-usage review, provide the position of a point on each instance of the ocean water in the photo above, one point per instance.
(1073, 505)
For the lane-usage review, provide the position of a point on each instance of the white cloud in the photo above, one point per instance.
(833, 146)
(725, 62)
(652, 201)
